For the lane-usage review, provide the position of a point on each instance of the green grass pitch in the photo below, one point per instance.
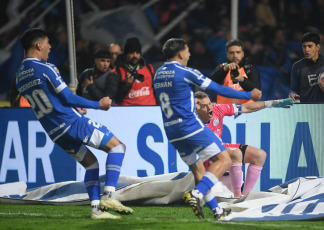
(176, 217)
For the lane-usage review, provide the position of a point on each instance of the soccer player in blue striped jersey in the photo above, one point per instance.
(174, 85)
(55, 107)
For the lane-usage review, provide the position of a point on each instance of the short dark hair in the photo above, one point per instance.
(234, 42)
(172, 46)
(30, 36)
(200, 95)
(102, 53)
(311, 37)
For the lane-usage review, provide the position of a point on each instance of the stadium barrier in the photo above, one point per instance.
(292, 139)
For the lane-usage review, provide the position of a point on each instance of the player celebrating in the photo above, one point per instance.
(54, 105)
(174, 85)
(212, 115)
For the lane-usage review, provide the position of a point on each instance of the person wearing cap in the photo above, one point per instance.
(306, 73)
(136, 77)
(98, 82)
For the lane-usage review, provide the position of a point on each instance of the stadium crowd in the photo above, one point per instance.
(270, 30)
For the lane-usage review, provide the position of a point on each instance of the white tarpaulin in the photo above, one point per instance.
(299, 199)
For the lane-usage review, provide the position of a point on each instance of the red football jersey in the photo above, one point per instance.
(216, 124)
(219, 112)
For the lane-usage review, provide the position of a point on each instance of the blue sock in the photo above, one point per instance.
(210, 201)
(113, 164)
(206, 183)
(91, 181)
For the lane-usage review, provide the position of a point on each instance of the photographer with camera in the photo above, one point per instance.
(98, 82)
(237, 74)
(136, 77)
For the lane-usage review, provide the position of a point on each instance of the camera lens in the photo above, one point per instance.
(234, 74)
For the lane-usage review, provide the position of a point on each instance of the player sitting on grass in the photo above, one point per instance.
(212, 115)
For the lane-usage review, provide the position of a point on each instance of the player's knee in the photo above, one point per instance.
(86, 158)
(120, 148)
(235, 155)
(261, 157)
(226, 160)
(228, 163)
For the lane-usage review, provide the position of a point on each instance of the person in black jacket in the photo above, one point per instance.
(98, 82)
(306, 74)
(237, 73)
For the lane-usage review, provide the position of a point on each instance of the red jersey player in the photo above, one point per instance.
(212, 115)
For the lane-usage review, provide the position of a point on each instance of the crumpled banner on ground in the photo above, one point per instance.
(298, 199)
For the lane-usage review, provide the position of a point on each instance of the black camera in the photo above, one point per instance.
(137, 76)
(234, 74)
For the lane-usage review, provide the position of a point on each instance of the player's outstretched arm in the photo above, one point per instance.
(281, 103)
(105, 103)
(253, 106)
(76, 101)
(256, 106)
(225, 91)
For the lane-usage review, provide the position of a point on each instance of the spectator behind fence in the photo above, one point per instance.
(98, 82)
(136, 77)
(277, 53)
(237, 73)
(264, 15)
(305, 73)
(215, 44)
(200, 58)
(321, 50)
(114, 49)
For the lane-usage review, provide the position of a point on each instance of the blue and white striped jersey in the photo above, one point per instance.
(50, 98)
(174, 86)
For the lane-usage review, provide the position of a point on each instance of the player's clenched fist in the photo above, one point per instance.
(256, 94)
(105, 103)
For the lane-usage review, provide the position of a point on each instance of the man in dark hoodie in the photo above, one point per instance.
(136, 77)
(98, 82)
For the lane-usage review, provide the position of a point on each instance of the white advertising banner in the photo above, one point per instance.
(292, 139)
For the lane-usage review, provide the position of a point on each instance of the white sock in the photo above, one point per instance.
(95, 205)
(109, 191)
(197, 193)
(219, 210)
